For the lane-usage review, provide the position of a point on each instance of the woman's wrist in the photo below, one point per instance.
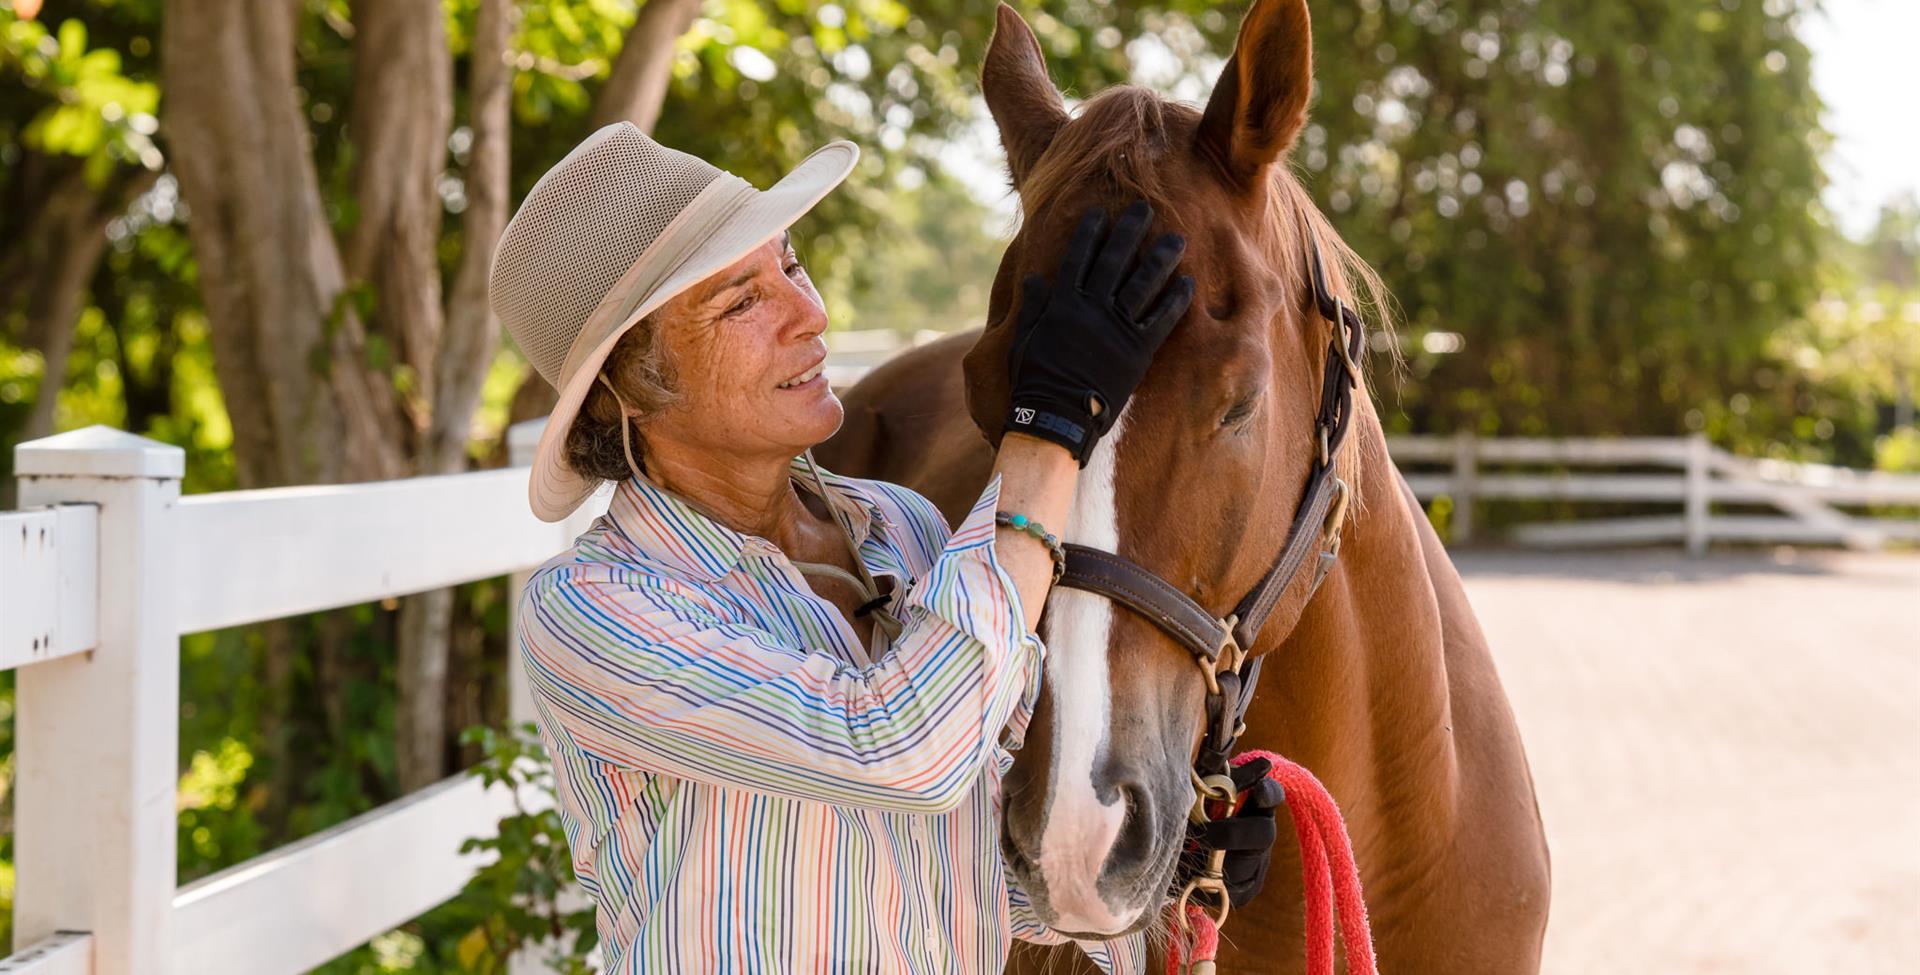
(1037, 455)
(1037, 479)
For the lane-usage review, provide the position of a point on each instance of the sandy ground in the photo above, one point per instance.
(1727, 753)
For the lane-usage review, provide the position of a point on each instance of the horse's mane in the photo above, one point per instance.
(1124, 134)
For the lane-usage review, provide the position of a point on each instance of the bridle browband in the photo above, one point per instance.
(1222, 645)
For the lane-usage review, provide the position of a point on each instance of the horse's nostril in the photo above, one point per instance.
(1140, 831)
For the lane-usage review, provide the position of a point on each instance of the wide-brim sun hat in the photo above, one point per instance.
(609, 234)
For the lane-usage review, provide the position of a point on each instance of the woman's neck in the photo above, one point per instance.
(751, 495)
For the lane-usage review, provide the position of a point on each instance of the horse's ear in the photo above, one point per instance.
(1025, 104)
(1259, 105)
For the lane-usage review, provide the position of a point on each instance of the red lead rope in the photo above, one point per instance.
(1331, 879)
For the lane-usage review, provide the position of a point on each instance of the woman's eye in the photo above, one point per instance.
(740, 306)
(794, 267)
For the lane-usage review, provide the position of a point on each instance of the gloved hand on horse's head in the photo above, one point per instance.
(1083, 340)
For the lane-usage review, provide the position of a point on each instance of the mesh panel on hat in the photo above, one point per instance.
(581, 228)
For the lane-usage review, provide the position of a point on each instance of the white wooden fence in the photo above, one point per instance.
(1807, 498)
(97, 583)
(99, 579)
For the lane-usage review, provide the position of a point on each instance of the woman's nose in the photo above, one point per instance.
(803, 317)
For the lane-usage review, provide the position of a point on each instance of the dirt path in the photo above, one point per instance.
(1727, 753)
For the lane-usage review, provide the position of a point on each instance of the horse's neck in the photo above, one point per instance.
(1357, 691)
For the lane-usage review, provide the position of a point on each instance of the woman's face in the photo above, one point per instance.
(746, 346)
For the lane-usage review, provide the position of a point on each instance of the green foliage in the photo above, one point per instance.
(84, 103)
(521, 900)
(518, 902)
(1614, 205)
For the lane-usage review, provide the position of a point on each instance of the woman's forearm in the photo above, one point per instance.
(1037, 479)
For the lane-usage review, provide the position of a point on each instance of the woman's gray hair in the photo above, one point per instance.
(640, 368)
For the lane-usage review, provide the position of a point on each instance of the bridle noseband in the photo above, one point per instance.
(1222, 645)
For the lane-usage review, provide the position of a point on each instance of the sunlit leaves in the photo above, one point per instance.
(90, 108)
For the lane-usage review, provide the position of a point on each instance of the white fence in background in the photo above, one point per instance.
(1808, 498)
(111, 565)
(98, 581)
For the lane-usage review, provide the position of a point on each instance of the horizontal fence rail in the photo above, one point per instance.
(100, 579)
(47, 584)
(359, 543)
(64, 953)
(312, 899)
(1808, 497)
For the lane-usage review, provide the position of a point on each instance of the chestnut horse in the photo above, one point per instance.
(1380, 681)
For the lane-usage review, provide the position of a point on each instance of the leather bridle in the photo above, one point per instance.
(1222, 645)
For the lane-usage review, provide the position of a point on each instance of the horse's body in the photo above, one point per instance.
(1381, 683)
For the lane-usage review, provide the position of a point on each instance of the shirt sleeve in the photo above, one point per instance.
(645, 672)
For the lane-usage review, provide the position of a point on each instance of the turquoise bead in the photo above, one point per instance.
(1020, 521)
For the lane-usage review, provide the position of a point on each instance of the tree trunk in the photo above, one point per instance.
(402, 114)
(56, 257)
(637, 86)
(71, 237)
(472, 333)
(291, 350)
(289, 353)
(635, 90)
(455, 376)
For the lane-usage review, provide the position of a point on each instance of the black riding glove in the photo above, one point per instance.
(1248, 834)
(1087, 337)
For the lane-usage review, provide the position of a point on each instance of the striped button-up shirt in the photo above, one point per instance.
(739, 793)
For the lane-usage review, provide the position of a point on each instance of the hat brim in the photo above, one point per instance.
(555, 490)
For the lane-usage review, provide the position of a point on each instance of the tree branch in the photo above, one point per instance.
(472, 333)
(402, 114)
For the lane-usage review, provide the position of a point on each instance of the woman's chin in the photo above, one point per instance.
(817, 417)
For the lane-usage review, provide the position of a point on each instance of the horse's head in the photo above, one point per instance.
(1199, 478)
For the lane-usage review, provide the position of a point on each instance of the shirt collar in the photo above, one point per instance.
(661, 525)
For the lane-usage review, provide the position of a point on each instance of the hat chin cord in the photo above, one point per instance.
(871, 602)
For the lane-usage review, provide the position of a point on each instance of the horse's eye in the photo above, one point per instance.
(1239, 412)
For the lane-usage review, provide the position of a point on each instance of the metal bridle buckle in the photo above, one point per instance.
(1230, 651)
(1211, 788)
(1343, 340)
(1337, 514)
(1211, 881)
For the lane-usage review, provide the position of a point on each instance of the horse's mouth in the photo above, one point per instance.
(1153, 891)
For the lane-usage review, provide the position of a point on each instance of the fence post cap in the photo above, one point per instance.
(98, 451)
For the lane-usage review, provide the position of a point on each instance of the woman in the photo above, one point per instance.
(775, 698)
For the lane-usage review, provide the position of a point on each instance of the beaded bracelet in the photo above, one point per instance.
(1021, 523)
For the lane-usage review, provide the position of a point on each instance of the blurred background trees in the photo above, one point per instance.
(260, 231)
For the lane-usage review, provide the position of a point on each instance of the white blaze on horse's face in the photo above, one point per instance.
(1081, 829)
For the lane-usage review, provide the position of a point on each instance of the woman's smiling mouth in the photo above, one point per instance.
(805, 378)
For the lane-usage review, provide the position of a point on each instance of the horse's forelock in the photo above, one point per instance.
(1118, 141)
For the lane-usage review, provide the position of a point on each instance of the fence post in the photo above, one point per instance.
(522, 438)
(1466, 477)
(1699, 502)
(97, 734)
